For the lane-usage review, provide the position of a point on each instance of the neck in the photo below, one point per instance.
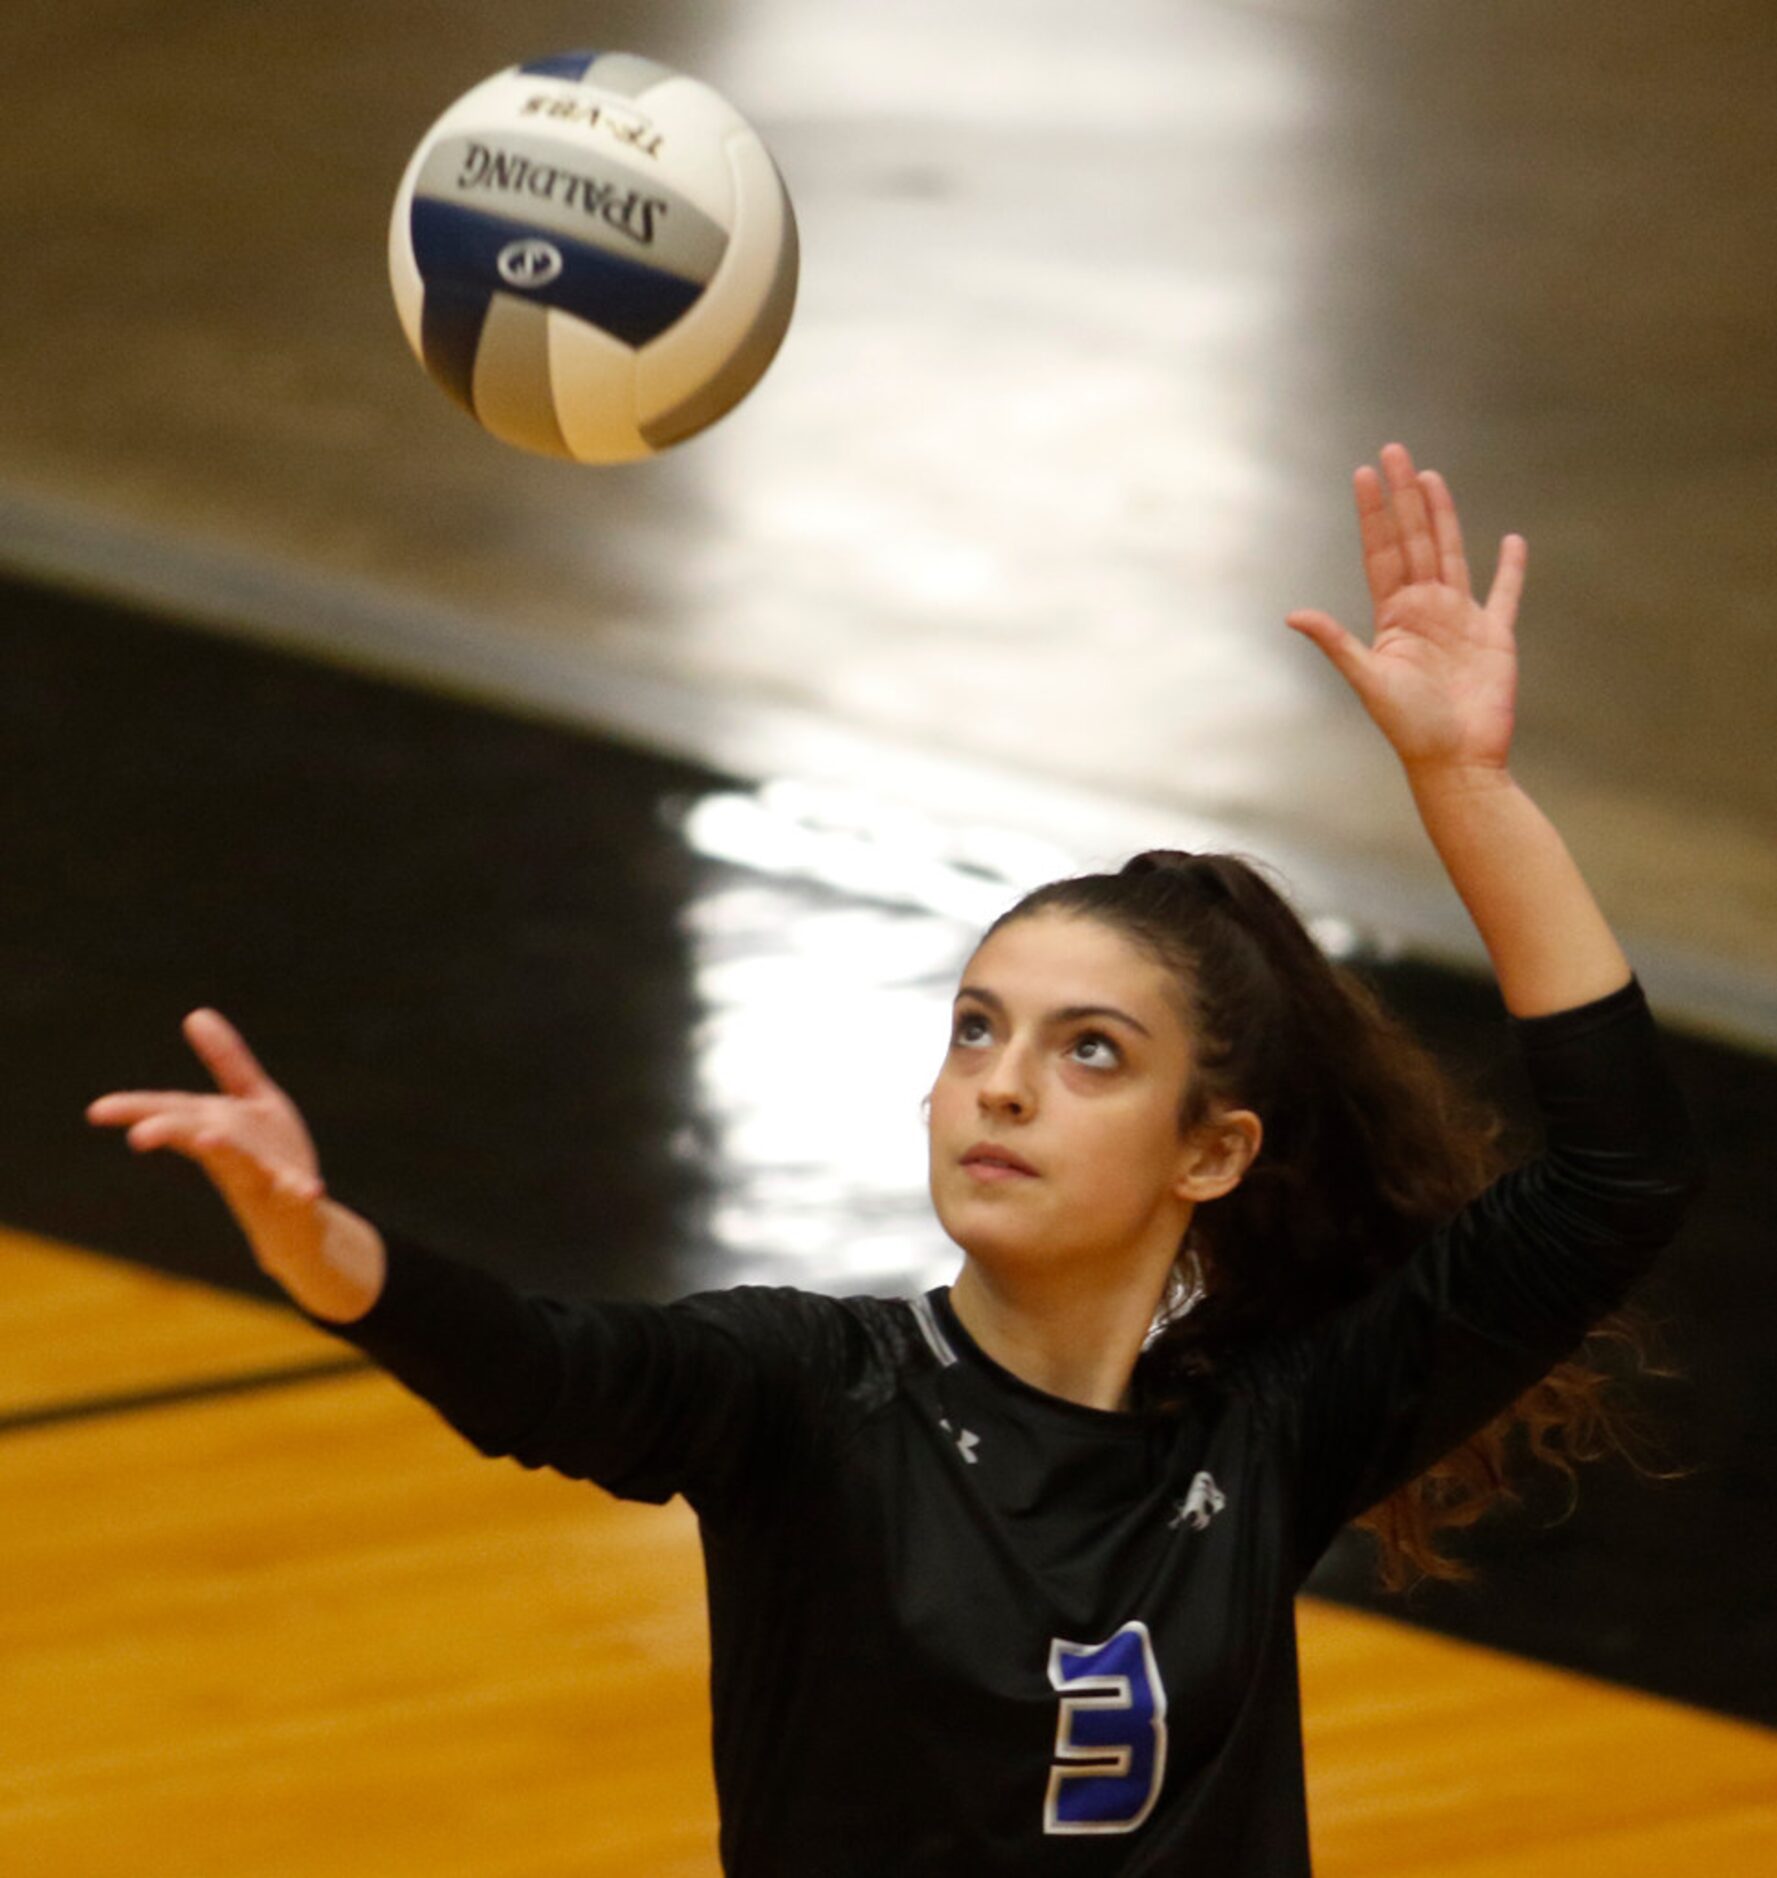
(1071, 1335)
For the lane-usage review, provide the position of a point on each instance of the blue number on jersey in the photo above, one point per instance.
(1112, 1729)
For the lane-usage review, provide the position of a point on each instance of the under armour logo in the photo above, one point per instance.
(968, 1441)
(1200, 1505)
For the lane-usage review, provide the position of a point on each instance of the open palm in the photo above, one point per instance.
(1440, 677)
(249, 1138)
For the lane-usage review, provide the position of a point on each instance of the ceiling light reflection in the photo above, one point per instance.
(883, 856)
(824, 1024)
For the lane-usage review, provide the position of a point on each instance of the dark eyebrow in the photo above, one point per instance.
(1064, 1016)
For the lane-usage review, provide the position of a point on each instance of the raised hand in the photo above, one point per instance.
(1440, 677)
(252, 1142)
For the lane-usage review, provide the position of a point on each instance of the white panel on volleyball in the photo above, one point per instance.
(695, 118)
(404, 274)
(699, 121)
(594, 380)
(695, 348)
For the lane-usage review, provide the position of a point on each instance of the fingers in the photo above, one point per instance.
(1508, 579)
(224, 1053)
(1452, 563)
(157, 1131)
(156, 1118)
(1419, 548)
(152, 1117)
(192, 1126)
(1384, 567)
(1407, 522)
(128, 1105)
(219, 1131)
(1349, 656)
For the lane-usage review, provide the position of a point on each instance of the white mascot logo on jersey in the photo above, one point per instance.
(1201, 1504)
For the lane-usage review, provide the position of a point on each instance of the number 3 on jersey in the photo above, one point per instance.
(1110, 1739)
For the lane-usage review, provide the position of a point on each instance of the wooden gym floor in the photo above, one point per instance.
(304, 1630)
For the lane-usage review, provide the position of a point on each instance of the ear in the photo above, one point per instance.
(1220, 1153)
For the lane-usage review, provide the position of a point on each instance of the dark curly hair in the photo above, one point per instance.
(1370, 1141)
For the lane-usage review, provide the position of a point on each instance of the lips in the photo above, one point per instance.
(993, 1155)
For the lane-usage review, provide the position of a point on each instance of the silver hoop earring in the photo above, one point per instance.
(1196, 1289)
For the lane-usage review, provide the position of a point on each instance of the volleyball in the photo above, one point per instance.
(594, 255)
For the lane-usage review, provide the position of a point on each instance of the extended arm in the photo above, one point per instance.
(717, 1395)
(1496, 1295)
(1440, 681)
(1548, 940)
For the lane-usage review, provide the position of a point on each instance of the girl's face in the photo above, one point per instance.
(1067, 1049)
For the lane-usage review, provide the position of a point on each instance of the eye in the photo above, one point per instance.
(1109, 1052)
(1098, 1036)
(963, 1022)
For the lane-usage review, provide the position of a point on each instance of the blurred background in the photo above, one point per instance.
(592, 852)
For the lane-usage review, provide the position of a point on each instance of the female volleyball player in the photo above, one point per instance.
(1001, 1577)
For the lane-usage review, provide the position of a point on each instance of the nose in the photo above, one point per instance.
(1006, 1089)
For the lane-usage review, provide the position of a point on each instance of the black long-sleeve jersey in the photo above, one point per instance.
(961, 1626)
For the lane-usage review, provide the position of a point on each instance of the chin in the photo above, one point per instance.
(998, 1245)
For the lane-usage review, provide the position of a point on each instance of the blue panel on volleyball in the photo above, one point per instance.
(451, 320)
(560, 65)
(458, 251)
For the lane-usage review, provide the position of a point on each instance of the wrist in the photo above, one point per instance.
(1445, 779)
(336, 1269)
